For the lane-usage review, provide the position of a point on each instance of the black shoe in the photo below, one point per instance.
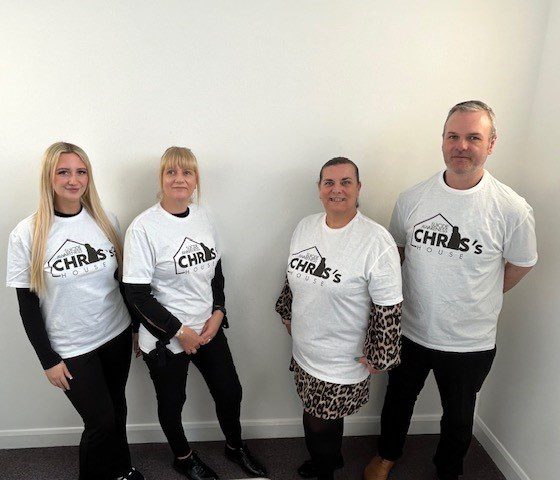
(133, 474)
(308, 469)
(194, 468)
(245, 459)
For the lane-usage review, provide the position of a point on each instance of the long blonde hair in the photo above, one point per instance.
(179, 157)
(45, 212)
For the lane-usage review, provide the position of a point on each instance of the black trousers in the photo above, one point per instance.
(215, 363)
(459, 376)
(97, 392)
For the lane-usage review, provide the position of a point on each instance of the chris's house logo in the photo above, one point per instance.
(438, 232)
(193, 254)
(311, 262)
(75, 258)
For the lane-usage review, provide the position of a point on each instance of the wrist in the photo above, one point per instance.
(286, 322)
(181, 332)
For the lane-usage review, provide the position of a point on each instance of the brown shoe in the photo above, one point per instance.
(378, 469)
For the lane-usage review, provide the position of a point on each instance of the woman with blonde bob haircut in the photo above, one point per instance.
(184, 159)
(173, 278)
(64, 261)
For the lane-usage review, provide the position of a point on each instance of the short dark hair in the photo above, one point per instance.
(339, 161)
(475, 106)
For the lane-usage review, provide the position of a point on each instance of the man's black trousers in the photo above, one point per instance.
(459, 376)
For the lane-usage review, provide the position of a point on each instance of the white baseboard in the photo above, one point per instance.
(266, 428)
(498, 453)
(205, 431)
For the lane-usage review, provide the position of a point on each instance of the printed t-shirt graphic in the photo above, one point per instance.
(177, 256)
(334, 275)
(82, 305)
(76, 258)
(310, 261)
(437, 232)
(455, 244)
(192, 253)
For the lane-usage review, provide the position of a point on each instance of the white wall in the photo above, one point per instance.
(518, 410)
(264, 92)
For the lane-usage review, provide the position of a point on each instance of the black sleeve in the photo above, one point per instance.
(153, 315)
(35, 328)
(219, 297)
(134, 315)
(159, 321)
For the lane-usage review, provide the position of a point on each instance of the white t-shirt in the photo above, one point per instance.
(455, 244)
(177, 256)
(334, 275)
(82, 306)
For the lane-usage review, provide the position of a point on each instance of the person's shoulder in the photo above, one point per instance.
(23, 231)
(145, 218)
(507, 199)
(417, 190)
(203, 215)
(311, 220)
(373, 230)
(112, 218)
(204, 211)
(308, 224)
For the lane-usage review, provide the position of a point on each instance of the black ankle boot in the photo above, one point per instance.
(194, 468)
(246, 460)
(308, 469)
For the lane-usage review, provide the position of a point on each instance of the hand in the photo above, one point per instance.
(135, 346)
(288, 326)
(365, 363)
(211, 326)
(58, 376)
(190, 340)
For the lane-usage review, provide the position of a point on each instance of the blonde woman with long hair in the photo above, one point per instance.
(64, 261)
(173, 278)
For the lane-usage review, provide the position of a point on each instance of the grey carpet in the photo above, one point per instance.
(281, 456)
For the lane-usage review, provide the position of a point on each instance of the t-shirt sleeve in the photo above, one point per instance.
(18, 272)
(384, 278)
(396, 227)
(139, 258)
(116, 225)
(295, 235)
(214, 229)
(217, 238)
(520, 246)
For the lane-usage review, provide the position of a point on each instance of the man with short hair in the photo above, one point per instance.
(464, 239)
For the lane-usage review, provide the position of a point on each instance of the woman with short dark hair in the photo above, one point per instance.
(342, 304)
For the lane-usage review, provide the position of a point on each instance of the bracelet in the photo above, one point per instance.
(179, 332)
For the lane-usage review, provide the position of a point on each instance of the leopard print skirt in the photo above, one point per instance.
(329, 400)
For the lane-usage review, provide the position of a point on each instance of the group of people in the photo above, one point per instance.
(85, 301)
(462, 238)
